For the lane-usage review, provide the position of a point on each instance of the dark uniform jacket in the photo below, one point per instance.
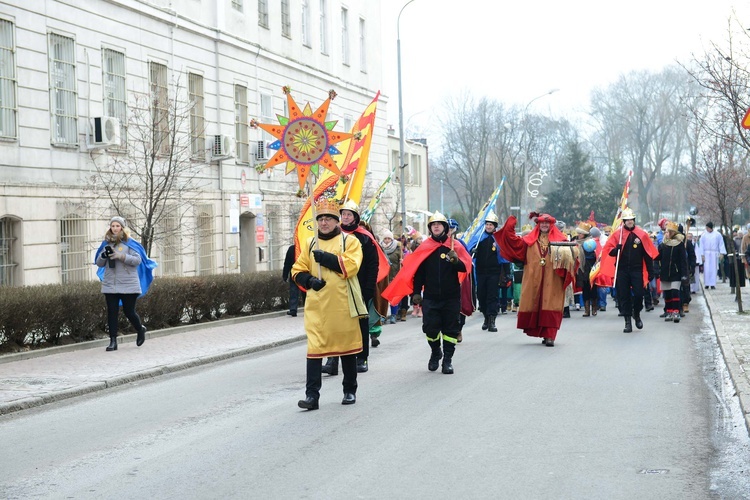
(438, 276)
(368, 271)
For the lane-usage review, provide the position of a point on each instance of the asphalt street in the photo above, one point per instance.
(649, 414)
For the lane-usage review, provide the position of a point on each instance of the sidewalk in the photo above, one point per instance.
(38, 377)
(733, 334)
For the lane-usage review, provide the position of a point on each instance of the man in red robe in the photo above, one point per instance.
(543, 287)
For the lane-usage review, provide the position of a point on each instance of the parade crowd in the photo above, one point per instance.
(356, 283)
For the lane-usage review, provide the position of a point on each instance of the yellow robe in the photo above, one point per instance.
(331, 331)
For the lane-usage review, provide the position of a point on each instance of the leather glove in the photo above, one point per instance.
(452, 256)
(316, 284)
(618, 247)
(416, 299)
(327, 259)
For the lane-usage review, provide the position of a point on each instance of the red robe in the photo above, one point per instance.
(608, 262)
(403, 284)
(543, 287)
(384, 265)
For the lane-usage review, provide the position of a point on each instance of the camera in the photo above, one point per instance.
(108, 252)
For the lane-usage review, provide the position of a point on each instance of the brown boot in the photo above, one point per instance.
(594, 308)
(686, 308)
(587, 309)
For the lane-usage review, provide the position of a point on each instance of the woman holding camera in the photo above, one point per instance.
(125, 272)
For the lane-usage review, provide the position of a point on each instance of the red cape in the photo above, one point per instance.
(607, 265)
(403, 284)
(384, 265)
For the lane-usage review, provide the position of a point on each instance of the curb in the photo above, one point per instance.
(734, 367)
(121, 339)
(90, 387)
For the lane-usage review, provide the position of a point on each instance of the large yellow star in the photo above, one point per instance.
(305, 139)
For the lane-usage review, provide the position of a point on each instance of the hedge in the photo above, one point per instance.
(45, 315)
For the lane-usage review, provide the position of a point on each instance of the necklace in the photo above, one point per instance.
(543, 250)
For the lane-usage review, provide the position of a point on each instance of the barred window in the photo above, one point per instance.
(169, 260)
(63, 95)
(160, 128)
(286, 19)
(324, 26)
(241, 124)
(266, 113)
(197, 115)
(8, 262)
(345, 36)
(263, 13)
(8, 81)
(362, 45)
(113, 85)
(205, 229)
(305, 24)
(75, 258)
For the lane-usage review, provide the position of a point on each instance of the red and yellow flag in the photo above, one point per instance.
(353, 165)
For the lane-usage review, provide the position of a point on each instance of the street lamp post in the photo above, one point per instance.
(442, 208)
(526, 151)
(402, 165)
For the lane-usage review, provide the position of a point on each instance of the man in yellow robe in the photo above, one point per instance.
(334, 304)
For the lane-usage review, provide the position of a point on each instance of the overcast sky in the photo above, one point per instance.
(514, 51)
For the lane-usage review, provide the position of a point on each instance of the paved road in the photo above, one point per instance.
(602, 414)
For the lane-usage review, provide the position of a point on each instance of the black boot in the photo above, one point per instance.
(448, 357)
(309, 403)
(434, 362)
(566, 312)
(361, 365)
(112, 343)
(638, 322)
(331, 367)
(486, 323)
(141, 337)
(492, 326)
(628, 325)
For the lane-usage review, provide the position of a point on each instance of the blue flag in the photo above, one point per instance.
(475, 230)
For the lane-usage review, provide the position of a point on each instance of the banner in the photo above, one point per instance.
(353, 164)
(375, 201)
(474, 231)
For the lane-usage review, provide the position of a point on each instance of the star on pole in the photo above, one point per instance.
(304, 139)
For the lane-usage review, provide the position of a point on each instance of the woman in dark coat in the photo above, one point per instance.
(674, 270)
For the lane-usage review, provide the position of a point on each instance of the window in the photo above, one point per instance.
(205, 227)
(266, 114)
(8, 82)
(240, 123)
(324, 26)
(345, 36)
(197, 115)
(306, 23)
(115, 98)
(415, 170)
(160, 128)
(63, 96)
(263, 13)
(169, 261)
(286, 19)
(74, 257)
(348, 123)
(8, 242)
(362, 46)
(237, 5)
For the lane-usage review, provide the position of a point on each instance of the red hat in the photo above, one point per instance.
(545, 218)
(662, 222)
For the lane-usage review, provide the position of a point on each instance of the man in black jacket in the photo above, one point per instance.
(367, 277)
(490, 269)
(293, 288)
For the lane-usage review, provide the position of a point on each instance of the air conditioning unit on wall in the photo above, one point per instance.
(220, 147)
(262, 151)
(105, 132)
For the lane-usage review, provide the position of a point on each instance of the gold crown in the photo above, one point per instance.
(326, 206)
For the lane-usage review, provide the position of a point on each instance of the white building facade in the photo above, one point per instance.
(74, 74)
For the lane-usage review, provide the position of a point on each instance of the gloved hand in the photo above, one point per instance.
(416, 299)
(618, 247)
(316, 284)
(327, 259)
(452, 257)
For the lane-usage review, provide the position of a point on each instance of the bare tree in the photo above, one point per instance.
(638, 117)
(157, 174)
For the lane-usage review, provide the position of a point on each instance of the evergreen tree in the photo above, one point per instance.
(577, 189)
